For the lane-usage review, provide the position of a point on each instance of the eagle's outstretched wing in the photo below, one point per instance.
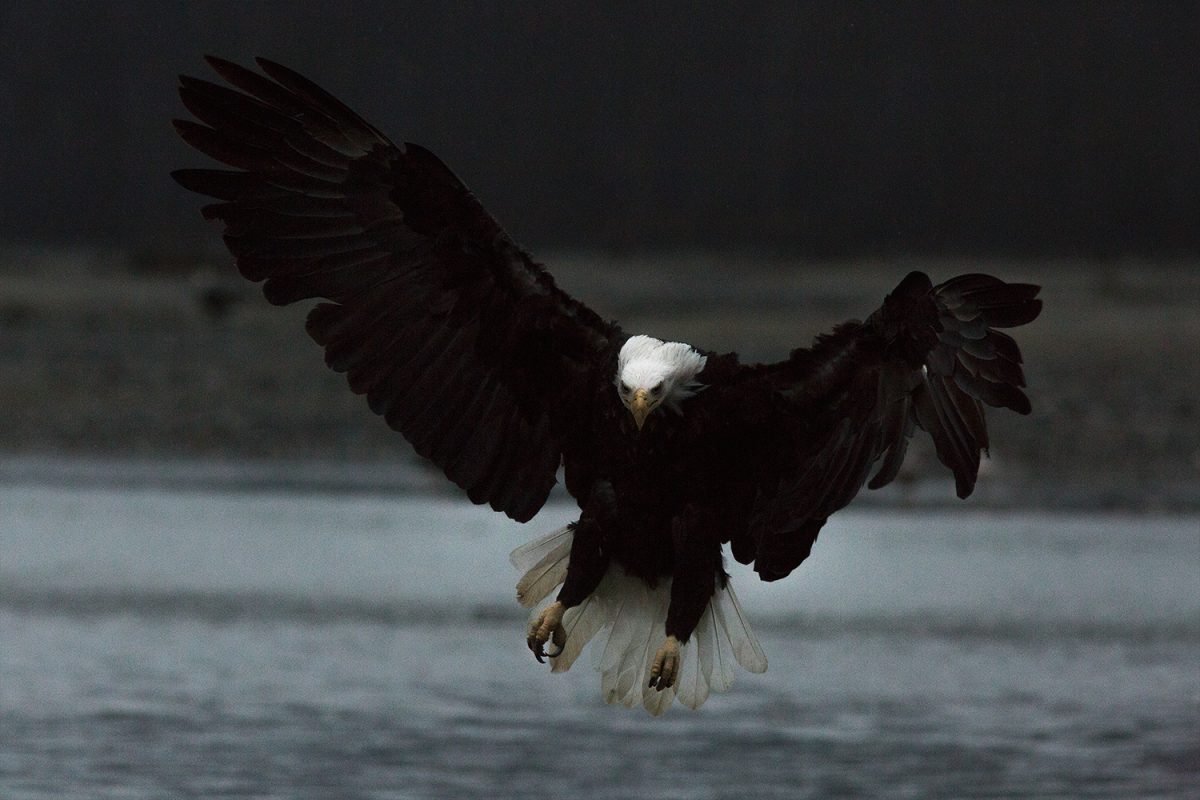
(454, 334)
(930, 357)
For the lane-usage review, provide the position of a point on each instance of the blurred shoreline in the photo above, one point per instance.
(164, 367)
(412, 477)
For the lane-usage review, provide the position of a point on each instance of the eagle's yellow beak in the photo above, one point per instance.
(640, 406)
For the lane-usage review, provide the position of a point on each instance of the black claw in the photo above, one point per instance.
(535, 647)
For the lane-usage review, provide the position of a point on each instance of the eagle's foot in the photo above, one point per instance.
(665, 668)
(547, 627)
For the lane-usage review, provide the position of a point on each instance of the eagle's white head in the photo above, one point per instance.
(653, 373)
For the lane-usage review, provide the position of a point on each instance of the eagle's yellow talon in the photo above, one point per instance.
(665, 668)
(547, 625)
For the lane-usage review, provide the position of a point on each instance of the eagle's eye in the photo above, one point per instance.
(657, 388)
(624, 387)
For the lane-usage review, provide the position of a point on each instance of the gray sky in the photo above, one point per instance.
(817, 129)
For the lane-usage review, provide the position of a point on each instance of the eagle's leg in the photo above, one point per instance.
(585, 568)
(697, 545)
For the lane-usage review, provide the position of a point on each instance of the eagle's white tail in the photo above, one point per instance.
(630, 616)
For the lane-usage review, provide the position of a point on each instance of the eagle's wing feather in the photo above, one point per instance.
(929, 358)
(454, 334)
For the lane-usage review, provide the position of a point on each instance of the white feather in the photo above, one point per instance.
(629, 617)
(581, 623)
(637, 615)
(541, 579)
(746, 649)
(722, 651)
(621, 621)
(544, 562)
(530, 553)
(691, 687)
(695, 678)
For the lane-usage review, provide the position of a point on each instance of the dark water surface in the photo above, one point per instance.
(174, 644)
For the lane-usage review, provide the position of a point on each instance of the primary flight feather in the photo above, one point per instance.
(467, 347)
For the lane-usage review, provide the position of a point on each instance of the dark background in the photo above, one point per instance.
(740, 179)
(822, 130)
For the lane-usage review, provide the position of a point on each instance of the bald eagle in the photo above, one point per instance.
(465, 345)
